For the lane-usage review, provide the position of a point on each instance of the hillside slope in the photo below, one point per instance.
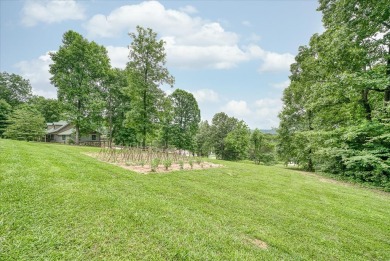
(57, 203)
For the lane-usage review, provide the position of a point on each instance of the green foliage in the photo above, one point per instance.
(221, 126)
(147, 70)
(336, 110)
(58, 203)
(186, 118)
(262, 147)
(124, 136)
(360, 152)
(50, 109)
(5, 110)
(166, 131)
(167, 163)
(14, 89)
(79, 70)
(181, 164)
(202, 140)
(25, 123)
(236, 142)
(154, 164)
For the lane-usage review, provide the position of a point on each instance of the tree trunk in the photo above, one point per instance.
(110, 122)
(144, 122)
(366, 104)
(387, 90)
(145, 106)
(310, 153)
(77, 126)
(77, 141)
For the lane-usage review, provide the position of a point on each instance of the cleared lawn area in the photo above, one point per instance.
(57, 203)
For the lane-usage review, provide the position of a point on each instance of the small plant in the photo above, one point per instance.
(191, 162)
(181, 164)
(128, 163)
(142, 163)
(154, 164)
(167, 163)
(198, 161)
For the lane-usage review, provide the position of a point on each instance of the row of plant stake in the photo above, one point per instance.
(135, 156)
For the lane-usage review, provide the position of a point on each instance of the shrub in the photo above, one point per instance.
(181, 164)
(167, 163)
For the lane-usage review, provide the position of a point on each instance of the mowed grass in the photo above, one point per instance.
(56, 203)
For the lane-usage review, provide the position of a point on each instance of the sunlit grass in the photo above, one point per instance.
(57, 203)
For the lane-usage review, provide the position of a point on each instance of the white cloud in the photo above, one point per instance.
(118, 56)
(206, 95)
(147, 14)
(281, 85)
(213, 57)
(51, 11)
(267, 110)
(271, 61)
(191, 42)
(262, 113)
(189, 9)
(276, 62)
(253, 38)
(246, 23)
(37, 71)
(237, 109)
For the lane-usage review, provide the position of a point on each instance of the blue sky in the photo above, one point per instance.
(234, 56)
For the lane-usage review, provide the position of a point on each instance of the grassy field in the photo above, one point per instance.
(57, 203)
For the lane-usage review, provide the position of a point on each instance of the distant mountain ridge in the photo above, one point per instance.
(271, 131)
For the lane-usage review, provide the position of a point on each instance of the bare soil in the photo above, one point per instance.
(146, 169)
(258, 243)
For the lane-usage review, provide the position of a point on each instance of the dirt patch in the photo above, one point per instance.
(174, 167)
(146, 169)
(258, 243)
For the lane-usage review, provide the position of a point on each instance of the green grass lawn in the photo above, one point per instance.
(57, 203)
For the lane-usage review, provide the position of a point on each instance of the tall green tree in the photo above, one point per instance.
(117, 105)
(336, 110)
(186, 118)
(14, 89)
(369, 24)
(203, 142)
(25, 123)
(51, 109)
(147, 68)
(262, 147)
(221, 126)
(166, 131)
(237, 142)
(78, 71)
(5, 111)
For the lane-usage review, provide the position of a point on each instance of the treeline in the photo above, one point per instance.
(231, 139)
(128, 105)
(336, 114)
(22, 114)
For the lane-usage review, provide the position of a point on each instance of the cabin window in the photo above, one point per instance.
(63, 137)
(93, 136)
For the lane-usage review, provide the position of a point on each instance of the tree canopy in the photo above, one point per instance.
(79, 71)
(186, 119)
(25, 123)
(14, 89)
(337, 107)
(147, 71)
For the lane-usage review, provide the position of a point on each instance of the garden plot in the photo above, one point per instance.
(151, 160)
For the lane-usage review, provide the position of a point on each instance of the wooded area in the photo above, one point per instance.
(335, 118)
(336, 115)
